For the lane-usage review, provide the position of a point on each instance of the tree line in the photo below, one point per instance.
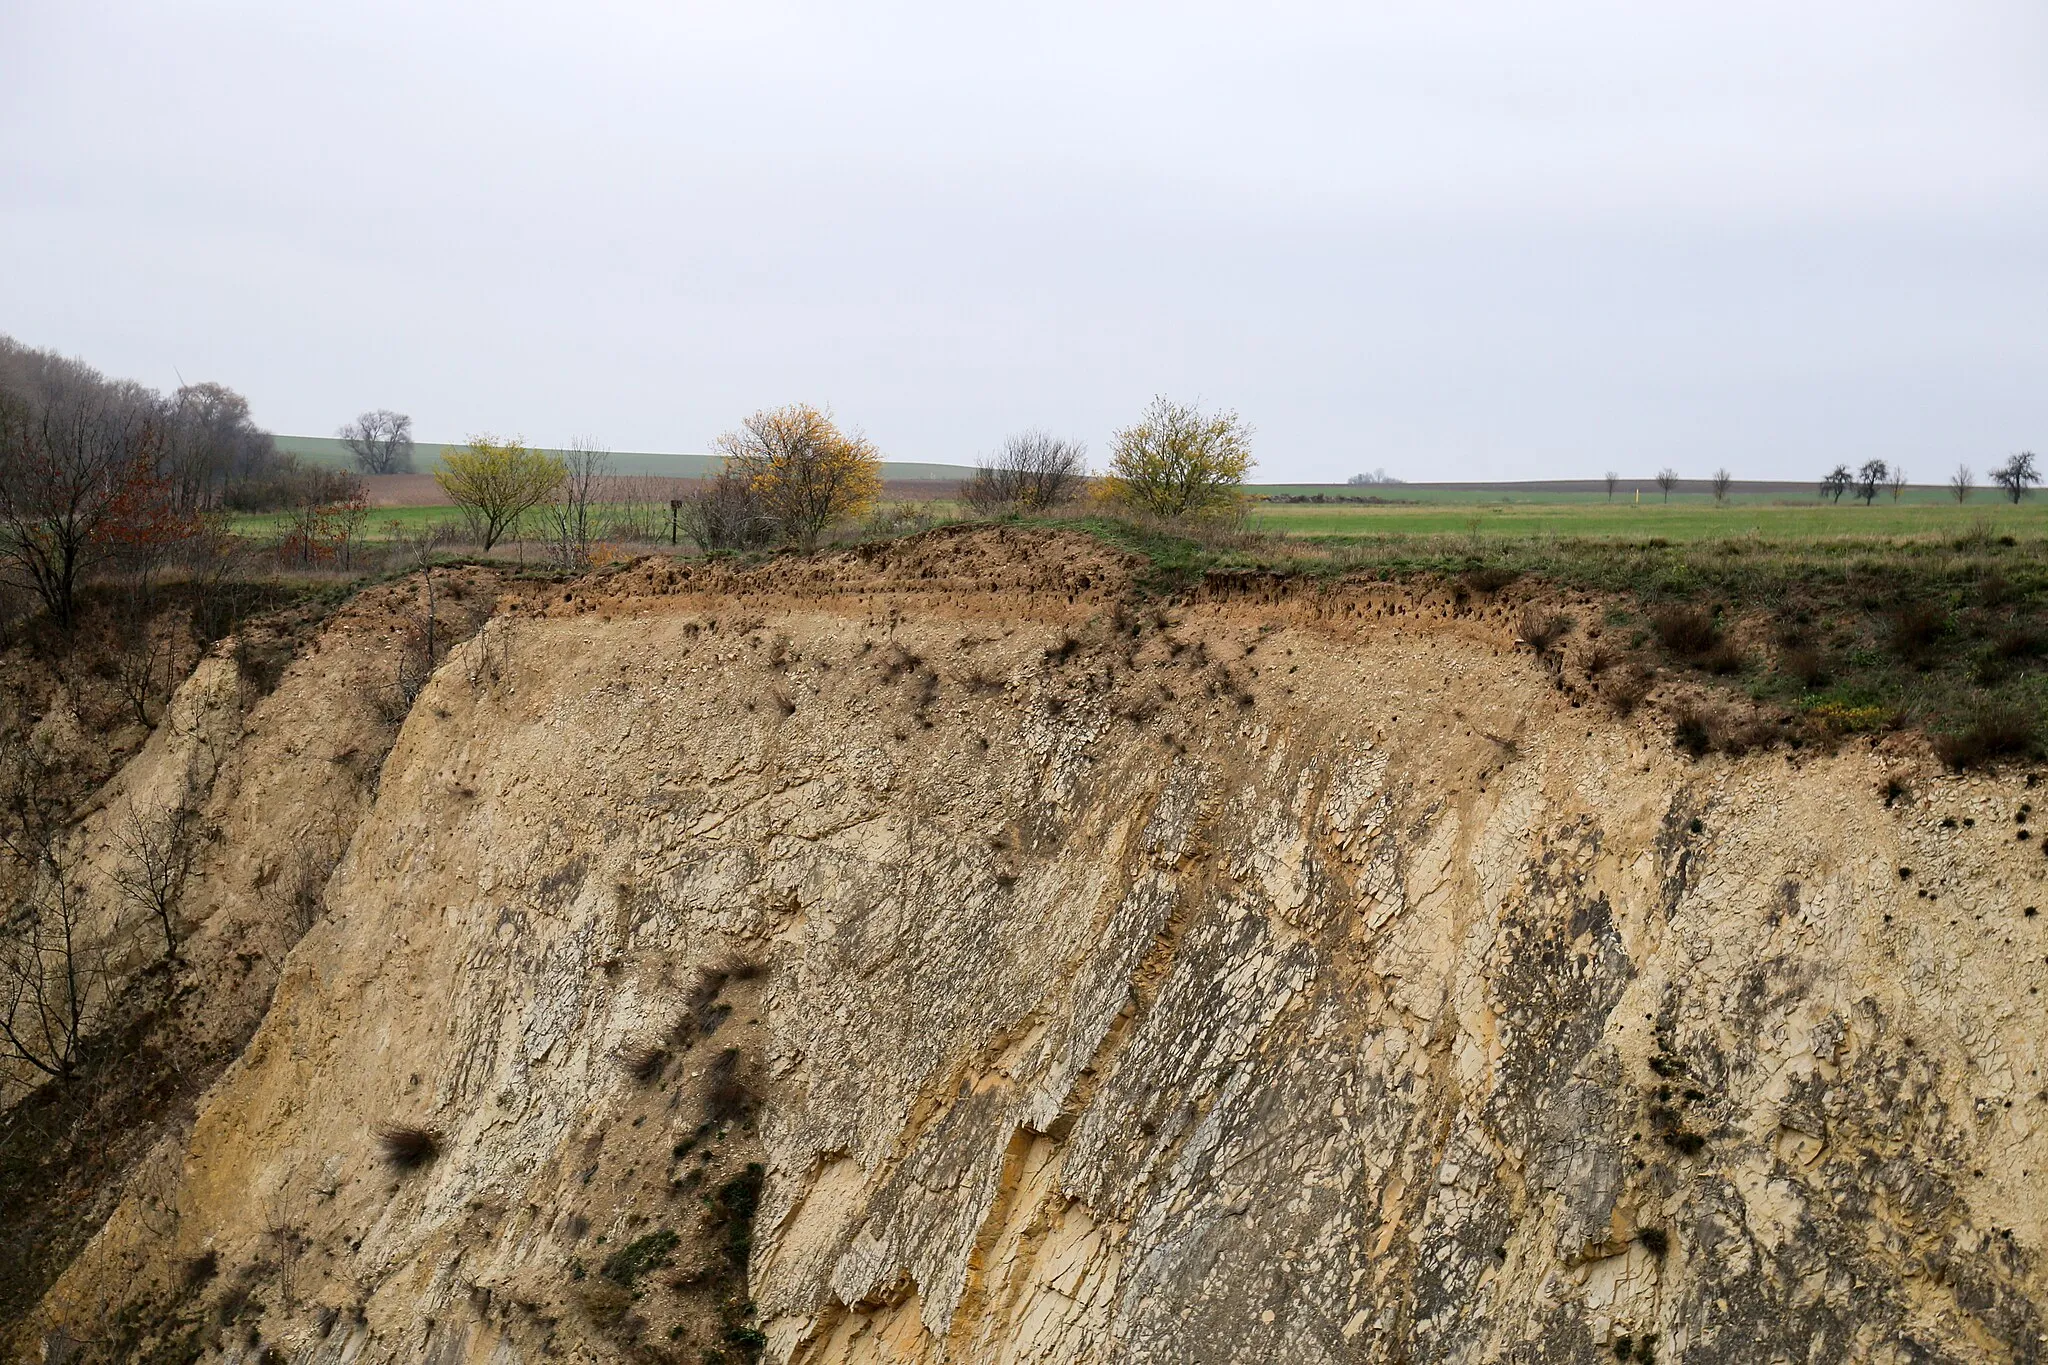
(97, 471)
(788, 474)
(2015, 478)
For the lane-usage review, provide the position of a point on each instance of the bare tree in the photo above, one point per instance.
(420, 644)
(1896, 482)
(49, 968)
(1870, 478)
(142, 669)
(1612, 479)
(1722, 479)
(80, 473)
(157, 852)
(726, 513)
(570, 518)
(1033, 471)
(1667, 479)
(2017, 476)
(1961, 483)
(381, 442)
(1836, 483)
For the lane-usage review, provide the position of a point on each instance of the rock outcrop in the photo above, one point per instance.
(999, 968)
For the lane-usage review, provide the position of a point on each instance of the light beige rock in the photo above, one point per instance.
(1294, 1018)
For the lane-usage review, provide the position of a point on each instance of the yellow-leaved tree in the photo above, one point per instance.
(804, 469)
(1174, 462)
(497, 482)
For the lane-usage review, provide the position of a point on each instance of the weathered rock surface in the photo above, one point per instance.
(1293, 976)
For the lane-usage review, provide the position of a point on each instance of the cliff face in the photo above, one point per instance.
(1003, 973)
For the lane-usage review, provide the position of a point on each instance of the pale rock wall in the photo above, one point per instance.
(1368, 999)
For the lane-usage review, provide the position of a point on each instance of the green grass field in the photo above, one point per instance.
(1680, 520)
(1461, 513)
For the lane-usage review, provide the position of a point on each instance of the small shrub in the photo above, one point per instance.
(1843, 718)
(407, 1147)
(736, 1202)
(1995, 730)
(626, 1265)
(1656, 1241)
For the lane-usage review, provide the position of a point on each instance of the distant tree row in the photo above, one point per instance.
(2016, 478)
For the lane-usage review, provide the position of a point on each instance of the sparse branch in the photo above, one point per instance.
(157, 852)
(1033, 471)
(570, 516)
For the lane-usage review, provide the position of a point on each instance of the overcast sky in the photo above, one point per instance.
(1483, 239)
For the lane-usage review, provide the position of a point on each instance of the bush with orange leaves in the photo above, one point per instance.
(805, 470)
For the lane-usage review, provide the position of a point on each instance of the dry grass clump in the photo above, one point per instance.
(2020, 640)
(1995, 730)
(1804, 664)
(1699, 729)
(644, 1062)
(1624, 688)
(1488, 579)
(1914, 628)
(1695, 636)
(408, 1147)
(1688, 632)
(703, 1011)
(739, 966)
(1541, 630)
(897, 661)
(727, 1094)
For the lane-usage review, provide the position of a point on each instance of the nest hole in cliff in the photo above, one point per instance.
(408, 1147)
